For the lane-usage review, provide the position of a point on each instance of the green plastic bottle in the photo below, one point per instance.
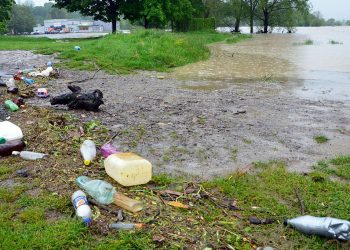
(2, 140)
(11, 105)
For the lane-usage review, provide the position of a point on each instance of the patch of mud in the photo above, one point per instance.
(12, 61)
(53, 215)
(9, 183)
(203, 134)
(34, 192)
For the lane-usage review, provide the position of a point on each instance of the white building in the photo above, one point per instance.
(73, 25)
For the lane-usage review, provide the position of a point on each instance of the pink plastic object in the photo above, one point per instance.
(107, 150)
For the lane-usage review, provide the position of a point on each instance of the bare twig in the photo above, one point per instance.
(301, 202)
(89, 78)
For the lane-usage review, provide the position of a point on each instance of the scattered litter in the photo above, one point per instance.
(8, 147)
(23, 173)
(160, 77)
(42, 93)
(323, 226)
(177, 204)
(2, 140)
(256, 221)
(77, 48)
(126, 226)
(12, 90)
(128, 169)
(28, 81)
(19, 101)
(10, 131)
(81, 206)
(105, 194)
(10, 105)
(108, 149)
(77, 100)
(28, 155)
(88, 151)
(10, 83)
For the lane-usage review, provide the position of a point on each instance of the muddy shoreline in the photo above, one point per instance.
(187, 130)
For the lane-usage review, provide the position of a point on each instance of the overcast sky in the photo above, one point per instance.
(338, 9)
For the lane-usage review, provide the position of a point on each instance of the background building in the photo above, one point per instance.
(73, 25)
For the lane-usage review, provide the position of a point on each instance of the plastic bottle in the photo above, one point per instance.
(11, 105)
(7, 148)
(107, 150)
(323, 226)
(104, 193)
(46, 72)
(10, 131)
(28, 155)
(126, 226)
(10, 83)
(128, 169)
(88, 151)
(2, 140)
(77, 48)
(81, 206)
(28, 81)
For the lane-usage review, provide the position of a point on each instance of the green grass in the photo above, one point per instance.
(267, 193)
(122, 53)
(339, 166)
(321, 139)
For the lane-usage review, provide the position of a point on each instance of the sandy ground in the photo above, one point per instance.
(198, 129)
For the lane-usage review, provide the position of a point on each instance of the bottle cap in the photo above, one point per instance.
(87, 221)
(2, 140)
(87, 162)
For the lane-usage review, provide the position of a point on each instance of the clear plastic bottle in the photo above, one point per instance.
(104, 193)
(88, 151)
(28, 155)
(81, 206)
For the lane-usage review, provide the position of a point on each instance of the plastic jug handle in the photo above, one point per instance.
(127, 203)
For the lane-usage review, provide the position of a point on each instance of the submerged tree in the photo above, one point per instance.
(266, 9)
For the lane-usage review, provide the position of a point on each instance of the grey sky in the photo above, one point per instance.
(338, 9)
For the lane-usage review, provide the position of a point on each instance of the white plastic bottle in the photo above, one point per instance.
(88, 151)
(81, 206)
(27, 155)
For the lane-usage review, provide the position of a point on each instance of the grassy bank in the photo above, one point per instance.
(35, 210)
(120, 53)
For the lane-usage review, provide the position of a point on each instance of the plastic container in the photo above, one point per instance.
(10, 131)
(128, 169)
(107, 150)
(28, 81)
(104, 193)
(11, 105)
(7, 148)
(88, 151)
(81, 206)
(28, 155)
(324, 226)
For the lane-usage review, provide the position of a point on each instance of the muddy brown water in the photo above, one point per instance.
(253, 101)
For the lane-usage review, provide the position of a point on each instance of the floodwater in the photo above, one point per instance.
(317, 71)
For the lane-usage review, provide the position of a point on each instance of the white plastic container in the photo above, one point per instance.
(88, 151)
(81, 206)
(30, 156)
(128, 169)
(10, 131)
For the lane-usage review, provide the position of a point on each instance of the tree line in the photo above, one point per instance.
(175, 14)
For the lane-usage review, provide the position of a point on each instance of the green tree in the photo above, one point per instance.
(178, 11)
(108, 11)
(268, 9)
(56, 13)
(238, 7)
(22, 19)
(5, 8)
(251, 6)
